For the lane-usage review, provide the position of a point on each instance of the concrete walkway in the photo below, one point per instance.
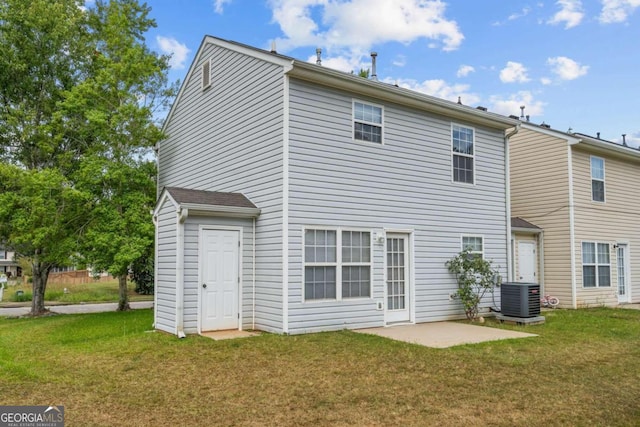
(444, 334)
(74, 308)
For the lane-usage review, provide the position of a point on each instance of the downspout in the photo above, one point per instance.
(254, 275)
(154, 218)
(541, 261)
(182, 216)
(508, 200)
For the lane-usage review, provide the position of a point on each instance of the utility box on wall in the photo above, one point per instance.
(520, 299)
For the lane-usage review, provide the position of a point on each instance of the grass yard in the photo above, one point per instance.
(106, 291)
(108, 369)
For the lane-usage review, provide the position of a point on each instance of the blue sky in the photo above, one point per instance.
(573, 64)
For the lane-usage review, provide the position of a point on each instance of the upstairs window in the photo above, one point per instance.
(597, 179)
(206, 75)
(462, 141)
(367, 122)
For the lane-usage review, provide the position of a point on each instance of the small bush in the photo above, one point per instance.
(25, 297)
(475, 276)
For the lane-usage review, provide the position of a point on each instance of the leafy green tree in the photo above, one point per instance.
(40, 214)
(475, 276)
(119, 99)
(42, 56)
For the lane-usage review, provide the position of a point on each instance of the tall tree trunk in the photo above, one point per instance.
(40, 278)
(123, 301)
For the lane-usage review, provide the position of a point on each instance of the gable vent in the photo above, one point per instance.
(206, 75)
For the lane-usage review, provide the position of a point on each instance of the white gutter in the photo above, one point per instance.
(508, 200)
(181, 217)
(572, 232)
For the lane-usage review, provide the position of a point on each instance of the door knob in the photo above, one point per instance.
(204, 285)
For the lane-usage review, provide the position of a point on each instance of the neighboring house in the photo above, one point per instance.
(295, 198)
(8, 264)
(582, 193)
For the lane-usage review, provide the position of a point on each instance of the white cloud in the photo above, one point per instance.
(514, 72)
(465, 70)
(400, 61)
(440, 89)
(570, 13)
(218, 5)
(511, 105)
(566, 68)
(341, 63)
(614, 11)
(546, 81)
(177, 50)
(524, 12)
(357, 25)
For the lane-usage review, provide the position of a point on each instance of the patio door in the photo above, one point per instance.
(623, 273)
(398, 281)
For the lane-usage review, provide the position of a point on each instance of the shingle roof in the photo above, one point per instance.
(517, 222)
(211, 198)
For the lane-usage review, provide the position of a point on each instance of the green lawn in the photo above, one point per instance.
(106, 291)
(109, 369)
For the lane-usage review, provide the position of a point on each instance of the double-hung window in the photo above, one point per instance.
(320, 259)
(596, 265)
(337, 264)
(474, 244)
(597, 179)
(367, 122)
(462, 142)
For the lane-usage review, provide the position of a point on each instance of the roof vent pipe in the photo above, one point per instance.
(374, 75)
(624, 139)
(318, 56)
(598, 135)
(273, 46)
(527, 117)
(521, 112)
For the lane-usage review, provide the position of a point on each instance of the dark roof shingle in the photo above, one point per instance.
(210, 198)
(517, 222)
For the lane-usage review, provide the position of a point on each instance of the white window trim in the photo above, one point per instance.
(604, 178)
(480, 236)
(338, 264)
(354, 120)
(473, 156)
(596, 265)
(202, 71)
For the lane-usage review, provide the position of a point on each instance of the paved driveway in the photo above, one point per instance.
(75, 308)
(445, 334)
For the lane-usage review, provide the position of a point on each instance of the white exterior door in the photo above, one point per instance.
(398, 278)
(526, 262)
(219, 289)
(623, 273)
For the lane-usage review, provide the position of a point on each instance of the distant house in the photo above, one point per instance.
(8, 264)
(579, 196)
(294, 198)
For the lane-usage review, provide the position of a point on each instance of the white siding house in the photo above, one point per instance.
(294, 198)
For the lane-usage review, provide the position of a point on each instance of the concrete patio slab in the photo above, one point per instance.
(444, 334)
(228, 334)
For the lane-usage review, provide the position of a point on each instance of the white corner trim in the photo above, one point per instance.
(285, 205)
(572, 231)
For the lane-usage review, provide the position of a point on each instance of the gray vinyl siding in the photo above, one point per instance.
(230, 138)
(404, 184)
(165, 276)
(192, 270)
